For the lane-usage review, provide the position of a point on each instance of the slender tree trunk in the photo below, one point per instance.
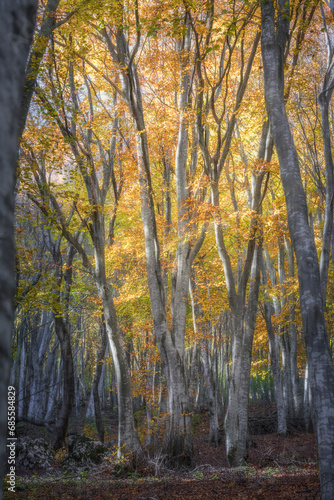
(284, 335)
(200, 328)
(76, 379)
(274, 36)
(39, 344)
(295, 380)
(96, 383)
(276, 371)
(53, 382)
(236, 421)
(275, 362)
(64, 336)
(307, 400)
(127, 436)
(211, 388)
(21, 378)
(128, 439)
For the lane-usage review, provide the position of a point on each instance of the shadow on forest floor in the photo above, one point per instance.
(283, 468)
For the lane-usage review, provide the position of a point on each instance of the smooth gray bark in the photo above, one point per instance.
(243, 312)
(20, 393)
(39, 344)
(243, 320)
(295, 380)
(63, 333)
(274, 361)
(324, 102)
(274, 35)
(17, 19)
(201, 328)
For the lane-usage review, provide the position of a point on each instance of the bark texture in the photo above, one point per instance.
(17, 20)
(275, 31)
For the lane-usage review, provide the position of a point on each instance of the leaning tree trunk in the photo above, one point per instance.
(274, 36)
(127, 437)
(35, 59)
(16, 26)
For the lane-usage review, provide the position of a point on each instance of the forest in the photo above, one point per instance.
(172, 207)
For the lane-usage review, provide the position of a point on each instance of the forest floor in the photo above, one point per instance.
(282, 468)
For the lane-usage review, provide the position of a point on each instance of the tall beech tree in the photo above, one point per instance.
(275, 29)
(215, 151)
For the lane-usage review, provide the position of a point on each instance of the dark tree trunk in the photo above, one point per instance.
(275, 31)
(17, 19)
(64, 336)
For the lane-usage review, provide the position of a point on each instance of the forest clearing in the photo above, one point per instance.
(166, 248)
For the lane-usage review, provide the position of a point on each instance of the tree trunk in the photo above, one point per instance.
(200, 327)
(16, 26)
(39, 344)
(64, 336)
(275, 362)
(20, 399)
(96, 383)
(276, 371)
(127, 435)
(52, 377)
(171, 343)
(236, 421)
(324, 102)
(295, 380)
(274, 36)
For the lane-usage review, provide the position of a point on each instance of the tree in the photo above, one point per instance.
(17, 19)
(216, 148)
(275, 30)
